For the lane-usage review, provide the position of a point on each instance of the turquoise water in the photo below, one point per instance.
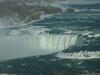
(83, 20)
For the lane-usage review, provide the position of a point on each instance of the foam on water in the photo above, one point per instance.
(79, 55)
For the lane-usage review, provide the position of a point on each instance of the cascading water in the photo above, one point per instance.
(29, 45)
(53, 41)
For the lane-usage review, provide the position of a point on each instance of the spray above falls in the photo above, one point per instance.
(37, 44)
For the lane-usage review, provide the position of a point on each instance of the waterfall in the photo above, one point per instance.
(53, 41)
(17, 46)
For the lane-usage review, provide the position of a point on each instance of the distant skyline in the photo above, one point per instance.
(84, 1)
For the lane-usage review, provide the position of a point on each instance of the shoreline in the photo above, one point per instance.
(42, 17)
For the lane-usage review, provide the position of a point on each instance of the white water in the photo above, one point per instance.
(28, 45)
(53, 42)
(79, 55)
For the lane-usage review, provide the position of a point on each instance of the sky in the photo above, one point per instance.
(84, 1)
